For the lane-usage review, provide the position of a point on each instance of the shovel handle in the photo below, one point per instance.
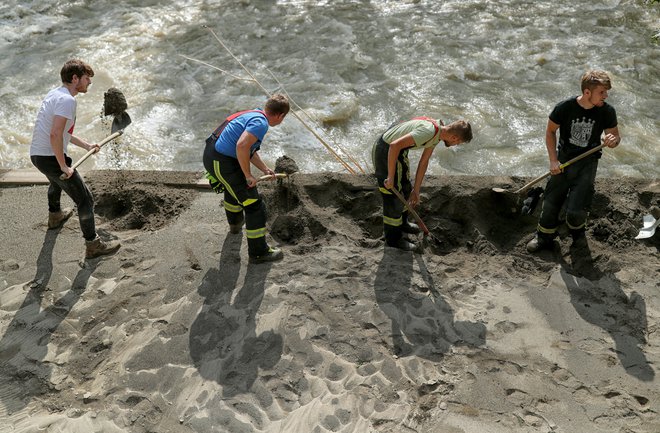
(562, 167)
(273, 176)
(412, 211)
(89, 152)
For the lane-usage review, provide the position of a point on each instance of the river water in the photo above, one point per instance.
(352, 66)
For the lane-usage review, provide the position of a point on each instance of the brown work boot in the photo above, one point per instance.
(57, 219)
(98, 247)
(272, 255)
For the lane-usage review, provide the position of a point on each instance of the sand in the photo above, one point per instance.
(177, 332)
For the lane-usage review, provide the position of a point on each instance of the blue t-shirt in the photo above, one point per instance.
(253, 122)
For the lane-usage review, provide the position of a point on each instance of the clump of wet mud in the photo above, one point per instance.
(114, 102)
(287, 165)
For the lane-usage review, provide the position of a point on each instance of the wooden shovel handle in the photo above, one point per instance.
(412, 211)
(273, 176)
(561, 167)
(89, 152)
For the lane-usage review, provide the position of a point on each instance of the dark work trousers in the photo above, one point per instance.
(238, 198)
(394, 215)
(74, 187)
(575, 186)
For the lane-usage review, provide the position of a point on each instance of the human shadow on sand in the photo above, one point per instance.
(224, 344)
(23, 347)
(599, 299)
(422, 325)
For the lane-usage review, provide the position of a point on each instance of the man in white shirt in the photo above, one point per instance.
(53, 131)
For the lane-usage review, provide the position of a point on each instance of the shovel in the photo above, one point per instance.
(648, 228)
(272, 176)
(561, 167)
(119, 123)
(415, 215)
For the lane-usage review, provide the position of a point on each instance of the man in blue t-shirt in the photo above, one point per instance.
(229, 151)
(581, 121)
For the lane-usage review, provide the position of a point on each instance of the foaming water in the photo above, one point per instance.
(353, 66)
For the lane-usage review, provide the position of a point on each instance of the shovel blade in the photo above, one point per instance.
(648, 221)
(120, 122)
(645, 233)
(648, 230)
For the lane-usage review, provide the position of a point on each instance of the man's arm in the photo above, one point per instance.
(57, 143)
(260, 164)
(612, 137)
(551, 145)
(393, 154)
(419, 175)
(82, 143)
(245, 141)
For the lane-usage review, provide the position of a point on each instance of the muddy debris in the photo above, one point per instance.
(284, 164)
(114, 102)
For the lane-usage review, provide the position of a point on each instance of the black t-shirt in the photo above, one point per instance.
(581, 129)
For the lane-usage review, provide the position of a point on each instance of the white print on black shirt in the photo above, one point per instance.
(581, 131)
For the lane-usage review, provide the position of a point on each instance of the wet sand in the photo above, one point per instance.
(177, 332)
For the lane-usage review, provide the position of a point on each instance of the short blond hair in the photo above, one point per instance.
(594, 78)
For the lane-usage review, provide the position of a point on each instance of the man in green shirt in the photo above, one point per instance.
(390, 158)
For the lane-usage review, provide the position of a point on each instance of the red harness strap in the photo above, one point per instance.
(428, 119)
(216, 134)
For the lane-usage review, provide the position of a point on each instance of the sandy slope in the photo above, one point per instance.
(178, 333)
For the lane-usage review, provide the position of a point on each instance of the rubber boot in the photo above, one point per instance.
(538, 243)
(579, 239)
(236, 227)
(403, 244)
(410, 228)
(272, 255)
(57, 219)
(98, 247)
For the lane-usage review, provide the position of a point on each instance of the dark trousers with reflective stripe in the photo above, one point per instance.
(394, 215)
(74, 187)
(239, 198)
(575, 186)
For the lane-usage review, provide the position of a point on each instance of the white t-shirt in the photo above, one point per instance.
(58, 102)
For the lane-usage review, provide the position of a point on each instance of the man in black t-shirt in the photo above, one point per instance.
(581, 122)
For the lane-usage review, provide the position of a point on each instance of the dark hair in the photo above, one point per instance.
(594, 78)
(75, 67)
(277, 104)
(461, 128)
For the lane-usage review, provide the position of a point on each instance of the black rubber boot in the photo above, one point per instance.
(272, 255)
(539, 242)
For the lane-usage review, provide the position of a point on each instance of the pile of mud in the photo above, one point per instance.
(466, 216)
(462, 211)
(306, 211)
(143, 200)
